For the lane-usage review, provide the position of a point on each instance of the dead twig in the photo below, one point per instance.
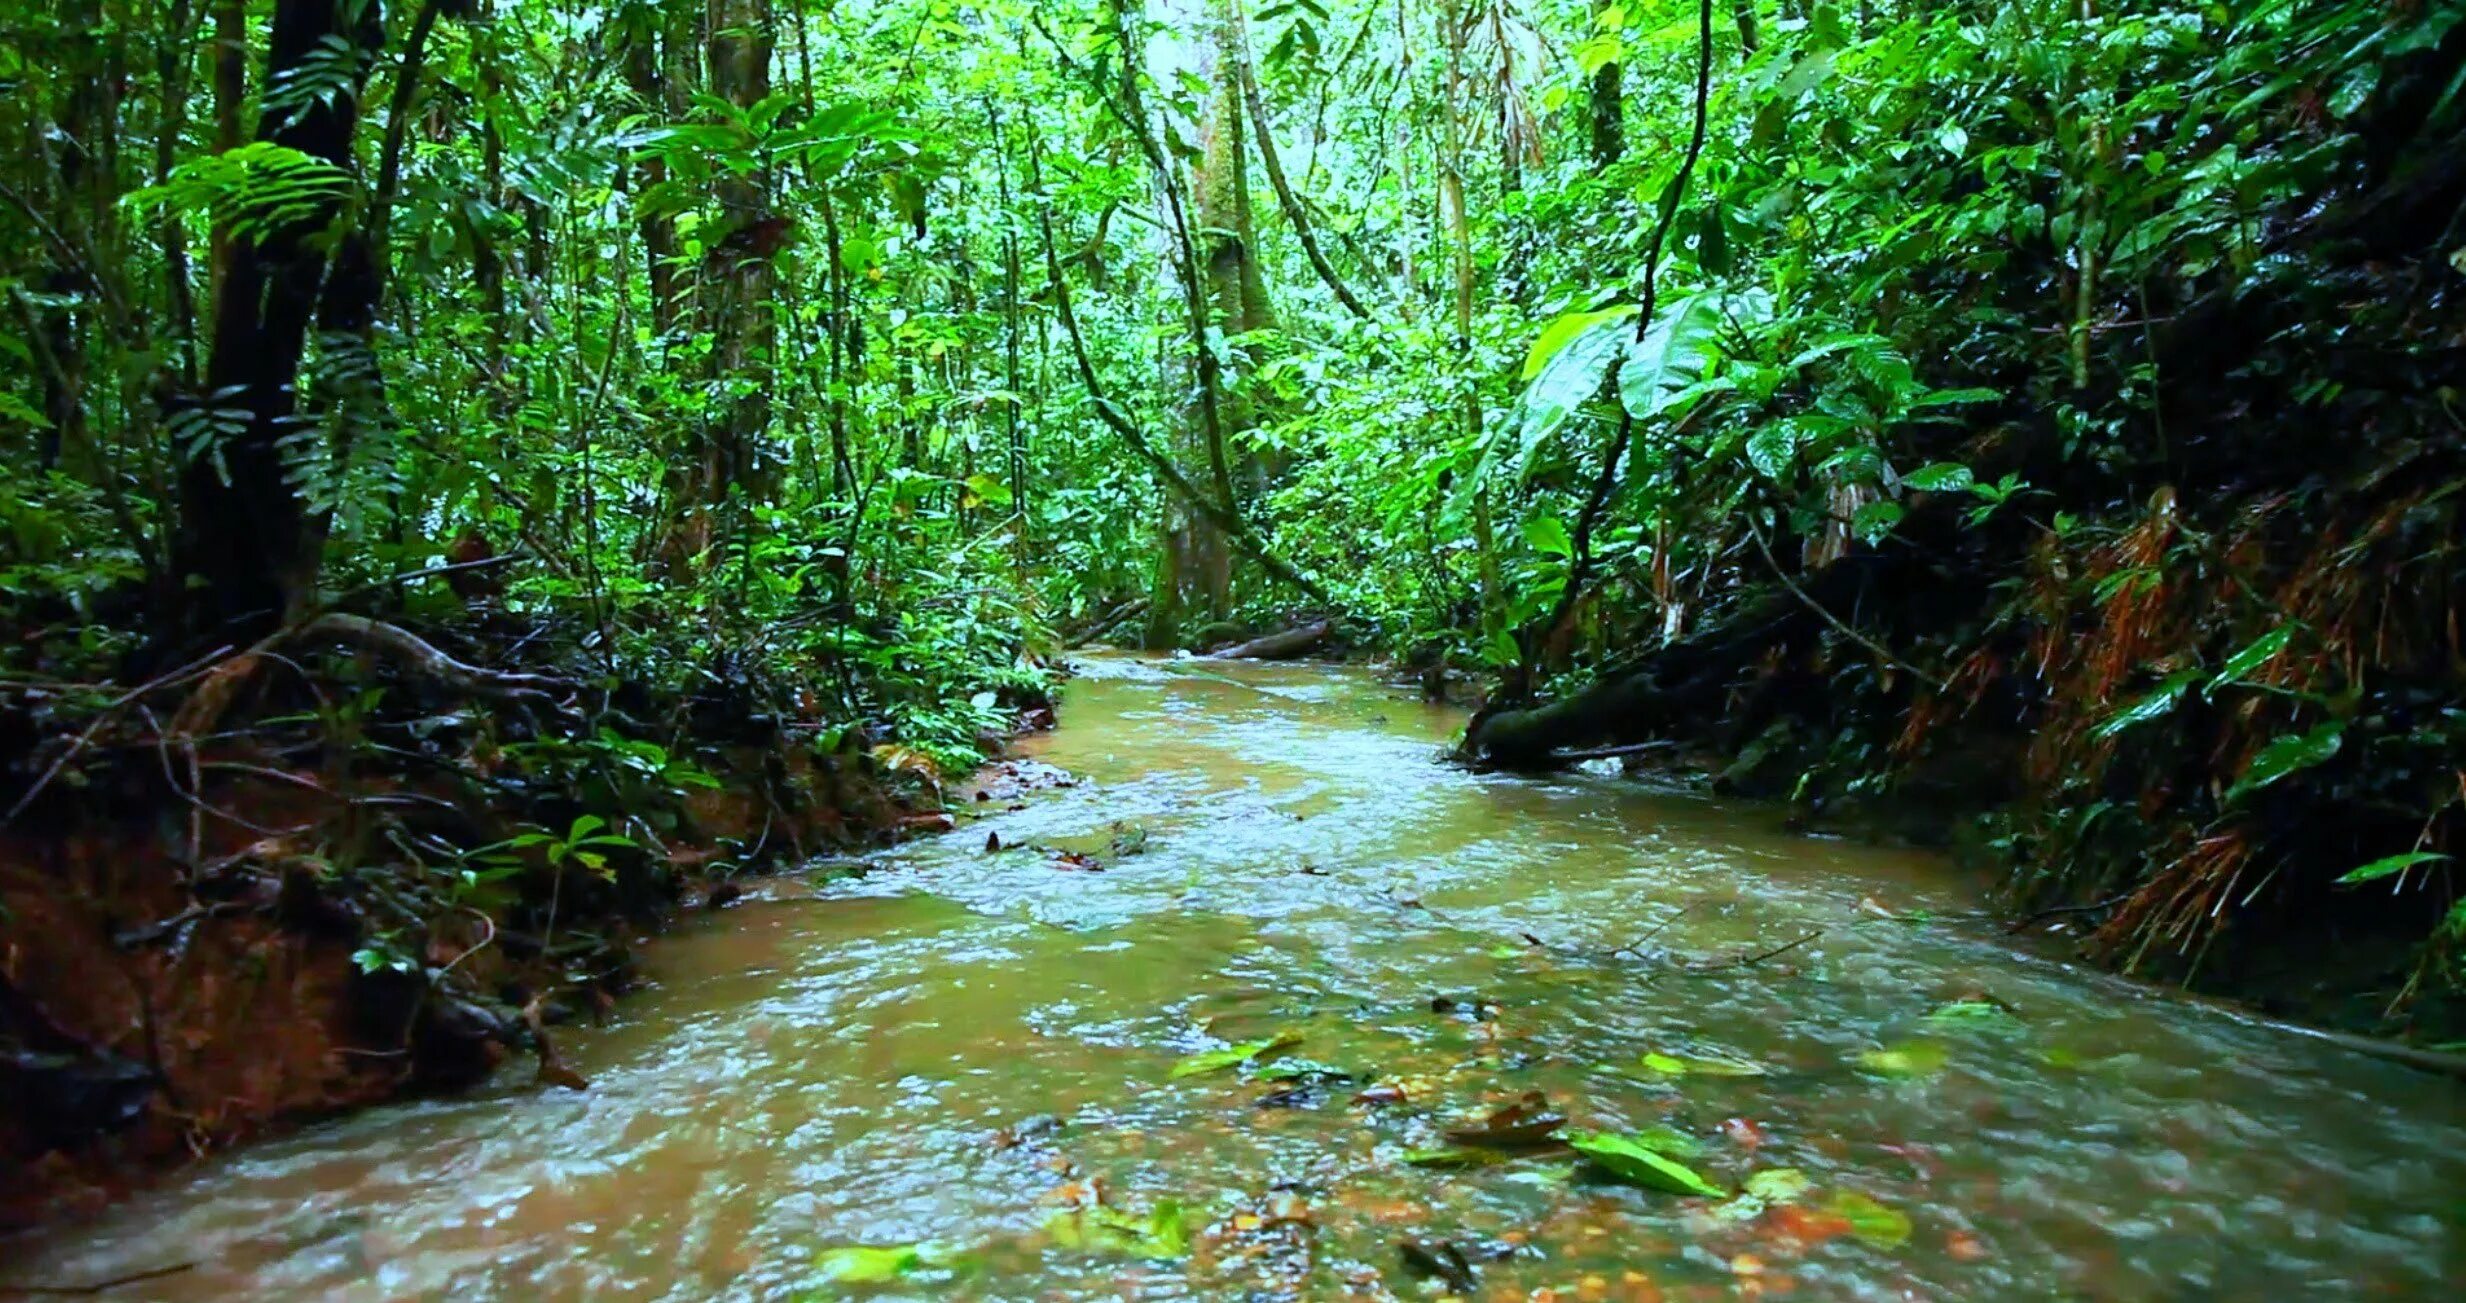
(98, 1287)
(1750, 961)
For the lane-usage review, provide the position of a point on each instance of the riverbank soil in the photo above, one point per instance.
(286, 883)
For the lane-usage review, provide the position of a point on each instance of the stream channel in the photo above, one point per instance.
(966, 1060)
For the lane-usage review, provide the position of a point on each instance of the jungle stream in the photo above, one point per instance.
(1264, 1002)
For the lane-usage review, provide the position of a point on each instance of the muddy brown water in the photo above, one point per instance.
(957, 1049)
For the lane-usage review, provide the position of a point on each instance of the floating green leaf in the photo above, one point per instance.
(1702, 1065)
(1163, 1233)
(1906, 1059)
(1670, 1141)
(1453, 1156)
(1631, 1159)
(858, 1264)
(1233, 1056)
(1878, 1224)
(1779, 1184)
(1981, 1014)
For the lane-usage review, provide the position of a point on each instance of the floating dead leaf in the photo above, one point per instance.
(1525, 1124)
(1440, 1259)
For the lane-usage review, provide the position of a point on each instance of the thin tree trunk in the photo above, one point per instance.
(244, 532)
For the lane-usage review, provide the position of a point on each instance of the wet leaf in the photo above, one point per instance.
(1878, 1224)
(1233, 1056)
(1906, 1059)
(2159, 703)
(2261, 651)
(863, 1265)
(1631, 1159)
(2287, 754)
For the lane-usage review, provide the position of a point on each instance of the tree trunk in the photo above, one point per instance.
(245, 534)
(1609, 114)
(724, 464)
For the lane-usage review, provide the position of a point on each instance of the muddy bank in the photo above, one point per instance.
(317, 876)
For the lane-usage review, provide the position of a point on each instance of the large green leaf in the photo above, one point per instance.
(1556, 336)
(1677, 352)
(1568, 367)
(1632, 1160)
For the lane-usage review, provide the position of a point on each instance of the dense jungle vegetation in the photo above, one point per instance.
(479, 469)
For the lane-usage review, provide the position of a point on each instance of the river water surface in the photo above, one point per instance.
(971, 1052)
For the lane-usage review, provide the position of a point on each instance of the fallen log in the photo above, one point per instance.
(1278, 646)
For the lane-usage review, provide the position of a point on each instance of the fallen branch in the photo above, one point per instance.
(1278, 646)
(83, 1291)
(1612, 753)
(425, 659)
